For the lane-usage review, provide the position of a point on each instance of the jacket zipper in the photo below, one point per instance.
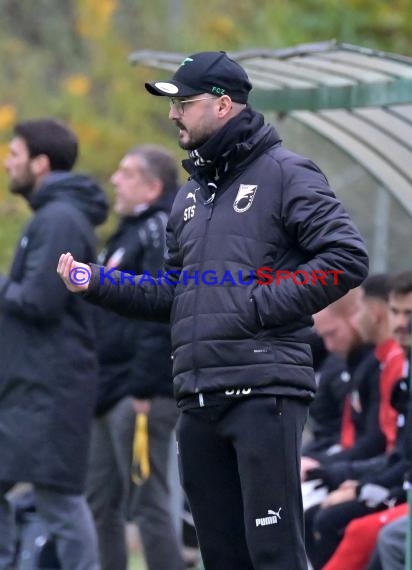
(208, 204)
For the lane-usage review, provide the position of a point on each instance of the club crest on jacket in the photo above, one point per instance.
(244, 197)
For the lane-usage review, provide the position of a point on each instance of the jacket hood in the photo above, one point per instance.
(76, 189)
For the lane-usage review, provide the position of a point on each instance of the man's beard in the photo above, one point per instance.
(400, 332)
(195, 142)
(192, 145)
(23, 187)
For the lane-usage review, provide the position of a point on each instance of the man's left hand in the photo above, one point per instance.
(141, 406)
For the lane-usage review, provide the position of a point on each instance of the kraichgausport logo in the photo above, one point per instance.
(262, 276)
(244, 197)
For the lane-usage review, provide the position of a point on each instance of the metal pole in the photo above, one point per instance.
(381, 231)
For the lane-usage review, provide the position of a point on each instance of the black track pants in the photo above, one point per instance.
(239, 466)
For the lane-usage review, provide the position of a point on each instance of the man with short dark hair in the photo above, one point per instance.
(48, 374)
(400, 307)
(242, 366)
(373, 322)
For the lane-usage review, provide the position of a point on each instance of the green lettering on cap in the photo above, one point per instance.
(186, 60)
(218, 90)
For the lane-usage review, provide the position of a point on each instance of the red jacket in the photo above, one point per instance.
(392, 359)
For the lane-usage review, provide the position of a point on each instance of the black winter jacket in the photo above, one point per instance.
(48, 373)
(272, 208)
(364, 370)
(134, 355)
(325, 411)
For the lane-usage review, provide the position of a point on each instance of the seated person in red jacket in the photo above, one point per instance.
(360, 491)
(360, 434)
(356, 547)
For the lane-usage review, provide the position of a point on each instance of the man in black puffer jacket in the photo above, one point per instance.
(48, 376)
(251, 214)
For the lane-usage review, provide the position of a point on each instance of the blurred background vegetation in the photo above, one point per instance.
(69, 59)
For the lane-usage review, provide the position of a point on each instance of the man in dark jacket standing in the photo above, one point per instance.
(135, 376)
(48, 375)
(250, 216)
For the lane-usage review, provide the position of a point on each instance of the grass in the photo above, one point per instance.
(136, 562)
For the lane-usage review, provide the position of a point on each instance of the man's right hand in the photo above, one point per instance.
(76, 276)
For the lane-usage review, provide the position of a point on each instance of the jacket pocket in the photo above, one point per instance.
(254, 320)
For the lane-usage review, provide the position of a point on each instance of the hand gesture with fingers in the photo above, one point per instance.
(76, 276)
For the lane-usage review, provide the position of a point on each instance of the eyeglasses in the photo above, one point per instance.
(179, 105)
